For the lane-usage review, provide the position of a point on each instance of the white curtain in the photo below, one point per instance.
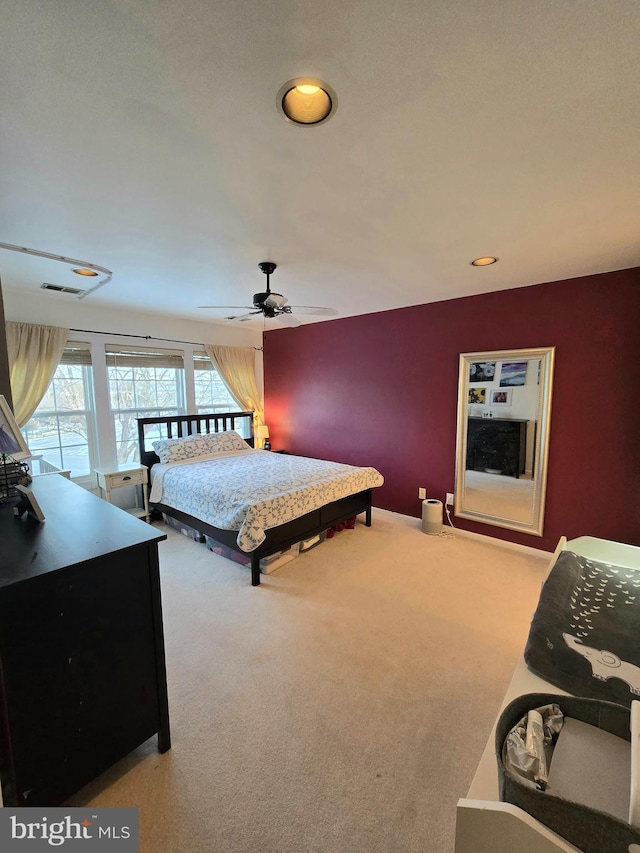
(34, 354)
(237, 369)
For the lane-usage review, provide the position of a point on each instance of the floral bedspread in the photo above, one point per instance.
(253, 490)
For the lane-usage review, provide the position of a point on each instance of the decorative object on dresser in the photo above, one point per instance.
(233, 513)
(14, 455)
(125, 474)
(82, 661)
(12, 474)
(30, 504)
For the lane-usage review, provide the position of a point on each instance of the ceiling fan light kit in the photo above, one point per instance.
(274, 300)
(270, 304)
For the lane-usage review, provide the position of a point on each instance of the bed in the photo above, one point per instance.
(253, 501)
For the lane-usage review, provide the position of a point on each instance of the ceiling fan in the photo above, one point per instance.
(273, 305)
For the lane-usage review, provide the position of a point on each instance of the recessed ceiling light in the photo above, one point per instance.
(82, 271)
(483, 262)
(306, 101)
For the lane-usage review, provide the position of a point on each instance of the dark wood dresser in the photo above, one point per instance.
(82, 665)
(497, 445)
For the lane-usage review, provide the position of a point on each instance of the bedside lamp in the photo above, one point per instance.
(263, 433)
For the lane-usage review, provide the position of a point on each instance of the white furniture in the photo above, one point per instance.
(483, 823)
(126, 474)
(38, 466)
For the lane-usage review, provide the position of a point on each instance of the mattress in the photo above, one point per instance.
(252, 491)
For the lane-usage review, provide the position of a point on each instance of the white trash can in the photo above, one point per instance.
(432, 517)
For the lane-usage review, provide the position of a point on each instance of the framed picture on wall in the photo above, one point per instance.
(12, 441)
(500, 397)
(513, 373)
(482, 371)
(477, 396)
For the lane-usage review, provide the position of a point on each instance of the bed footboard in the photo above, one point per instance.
(285, 535)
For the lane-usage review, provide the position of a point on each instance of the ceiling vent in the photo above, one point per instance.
(60, 289)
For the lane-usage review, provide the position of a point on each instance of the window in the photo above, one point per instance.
(61, 429)
(212, 394)
(143, 383)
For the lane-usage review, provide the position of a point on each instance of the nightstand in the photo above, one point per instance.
(126, 474)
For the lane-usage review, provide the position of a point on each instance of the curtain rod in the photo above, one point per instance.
(146, 337)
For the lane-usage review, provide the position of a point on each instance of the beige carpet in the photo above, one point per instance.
(341, 707)
(498, 496)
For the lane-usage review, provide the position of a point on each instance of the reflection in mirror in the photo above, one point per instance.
(504, 409)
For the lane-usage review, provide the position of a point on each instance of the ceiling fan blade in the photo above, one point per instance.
(243, 317)
(288, 320)
(311, 309)
(228, 307)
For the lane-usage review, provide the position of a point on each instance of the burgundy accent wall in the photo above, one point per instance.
(381, 390)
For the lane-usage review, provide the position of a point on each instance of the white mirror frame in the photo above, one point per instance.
(541, 449)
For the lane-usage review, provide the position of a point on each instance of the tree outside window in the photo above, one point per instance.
(142, 384)
(211, 393)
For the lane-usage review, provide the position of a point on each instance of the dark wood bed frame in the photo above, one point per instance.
(277, 538)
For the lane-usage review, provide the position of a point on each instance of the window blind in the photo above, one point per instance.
(76, 352)
(143, 357)
(201, 361)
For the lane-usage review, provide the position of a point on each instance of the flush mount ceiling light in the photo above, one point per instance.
(483, 262)
(306, 101)
(81, 271)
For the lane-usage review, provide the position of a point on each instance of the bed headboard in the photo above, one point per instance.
(177, 426)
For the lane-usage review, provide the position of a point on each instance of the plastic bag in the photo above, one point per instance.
(528, 746)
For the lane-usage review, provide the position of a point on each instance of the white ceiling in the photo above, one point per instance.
(143, 136)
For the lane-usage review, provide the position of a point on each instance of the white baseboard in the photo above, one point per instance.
(502, 543)
(489, 540)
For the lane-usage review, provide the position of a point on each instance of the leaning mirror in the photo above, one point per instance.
(504, 410)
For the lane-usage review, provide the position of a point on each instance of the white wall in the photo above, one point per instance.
(55, 309)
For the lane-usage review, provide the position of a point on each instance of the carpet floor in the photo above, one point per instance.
(340, 707)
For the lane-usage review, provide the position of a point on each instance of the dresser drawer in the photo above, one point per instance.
(125, 478)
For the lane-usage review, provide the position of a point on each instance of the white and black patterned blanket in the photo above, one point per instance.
(253, 490)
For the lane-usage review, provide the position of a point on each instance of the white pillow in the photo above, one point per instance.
(223, 442)
(179, 449)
